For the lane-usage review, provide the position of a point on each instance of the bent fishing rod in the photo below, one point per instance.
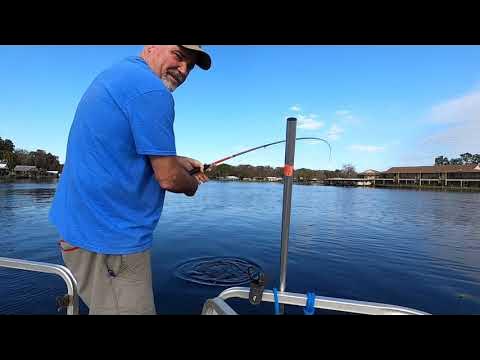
(215, 163)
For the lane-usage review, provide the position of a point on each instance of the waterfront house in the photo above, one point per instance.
(439, 175)
(463, 176)
(369, 174)
(273, 178)
(348, 181)
(25, 171)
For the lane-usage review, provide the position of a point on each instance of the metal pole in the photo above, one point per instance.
(287, 198)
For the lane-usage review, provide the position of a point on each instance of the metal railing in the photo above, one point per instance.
(70, 300)
(216, 307)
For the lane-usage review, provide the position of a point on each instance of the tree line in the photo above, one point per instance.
(249, 171)
(47, 161)
(39, 158)
(464, 159)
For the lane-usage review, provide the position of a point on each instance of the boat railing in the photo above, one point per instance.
(219, 306)
(69, 300)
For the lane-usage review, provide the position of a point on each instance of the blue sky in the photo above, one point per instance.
(378, 106)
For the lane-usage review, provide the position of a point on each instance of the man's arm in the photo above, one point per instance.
(172, 175)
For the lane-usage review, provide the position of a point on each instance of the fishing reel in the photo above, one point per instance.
(257, 285)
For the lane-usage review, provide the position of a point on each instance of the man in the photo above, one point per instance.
(121, 158)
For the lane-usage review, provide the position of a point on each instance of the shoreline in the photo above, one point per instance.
(402, 187)
(10, 180)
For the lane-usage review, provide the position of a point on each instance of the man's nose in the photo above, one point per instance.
(184, 69)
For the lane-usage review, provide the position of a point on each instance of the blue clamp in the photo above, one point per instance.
(277, 304)
(310, 305)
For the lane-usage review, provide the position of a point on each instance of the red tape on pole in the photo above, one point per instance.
(288, 170)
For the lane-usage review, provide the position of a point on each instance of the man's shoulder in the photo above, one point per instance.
(131, 78)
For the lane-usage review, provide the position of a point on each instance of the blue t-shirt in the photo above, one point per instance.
(107, 200)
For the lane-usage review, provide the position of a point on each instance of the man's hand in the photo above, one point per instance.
(188, 164)
(172, 176)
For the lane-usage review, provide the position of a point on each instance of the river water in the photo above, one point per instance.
(419, 249)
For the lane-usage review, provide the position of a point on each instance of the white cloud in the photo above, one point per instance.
(367, 148)
(309, 123)
(461, 119)
(313, 116)
(346, 116)
(457, 123)
(295, 108)
(459, 110)
(334, 132)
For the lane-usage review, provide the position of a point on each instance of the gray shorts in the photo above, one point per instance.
(112, 284)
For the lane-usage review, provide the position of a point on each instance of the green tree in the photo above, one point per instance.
(8, 145)
(39, 158)
(6, 151)
(304, 174)
(441, 160)
(21, 157)
(457, 161)
(348, 171)
(245, 171)
(467, 158)
(221, 170)
(278, 172)
(52, 162)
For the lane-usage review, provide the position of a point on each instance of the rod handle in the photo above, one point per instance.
(197, 169)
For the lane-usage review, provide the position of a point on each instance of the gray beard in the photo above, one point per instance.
(171, 87)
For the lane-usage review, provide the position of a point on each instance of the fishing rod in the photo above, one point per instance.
(206, 166)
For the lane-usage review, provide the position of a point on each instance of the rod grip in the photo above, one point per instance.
(197, 169)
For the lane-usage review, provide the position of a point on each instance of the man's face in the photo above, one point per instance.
(171, 63)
